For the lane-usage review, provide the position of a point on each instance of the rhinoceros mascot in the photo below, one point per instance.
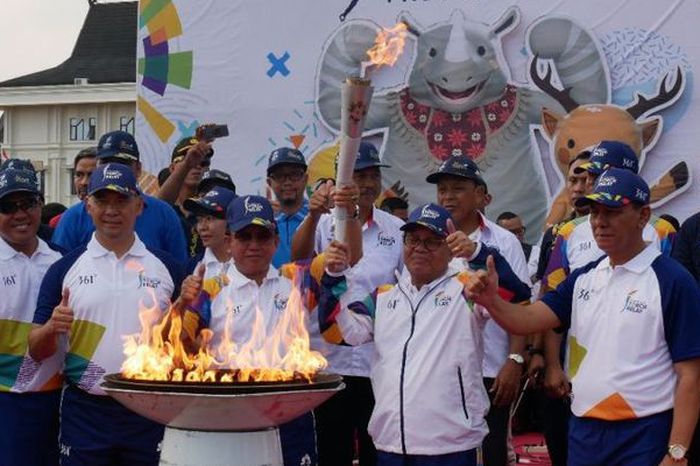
(459, 100)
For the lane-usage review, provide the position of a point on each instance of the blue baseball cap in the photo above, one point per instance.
(13, 180)
(213, 178)
(457, 165)
(367, 157)
(250, 210)
(118, 145)
(212, 203)
(17, 164)
(113, 177)
(431, 216)
(617, 187)
(610, 154)
(285, 156)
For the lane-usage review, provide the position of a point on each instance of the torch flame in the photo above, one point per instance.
(388, 45)
(281, 353)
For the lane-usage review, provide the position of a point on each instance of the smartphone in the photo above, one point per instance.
(210, 132)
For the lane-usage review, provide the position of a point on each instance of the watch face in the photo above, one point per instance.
(517, 358)
(677, 452)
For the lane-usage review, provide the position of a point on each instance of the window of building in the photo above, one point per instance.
(126, 124)
(83, 129)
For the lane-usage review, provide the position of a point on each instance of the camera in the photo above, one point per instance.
(211, 131)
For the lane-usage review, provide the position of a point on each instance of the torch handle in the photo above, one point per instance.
(343, 178)
(356, 95)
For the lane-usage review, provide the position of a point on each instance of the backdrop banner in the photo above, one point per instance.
(521, 87)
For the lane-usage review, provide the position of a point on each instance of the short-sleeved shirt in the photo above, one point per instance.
(382, 255)
(106, 295)
(287, 225)
(20, 278)
(212, 266)
(627, 325)
(575, 246)
(158, 227)
(496, 344)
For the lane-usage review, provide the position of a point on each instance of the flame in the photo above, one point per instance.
(388, 45)
(281, 353)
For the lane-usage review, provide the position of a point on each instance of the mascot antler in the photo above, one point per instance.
(545, 84)
(643, 105)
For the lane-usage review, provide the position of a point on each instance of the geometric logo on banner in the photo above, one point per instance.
(159, 67)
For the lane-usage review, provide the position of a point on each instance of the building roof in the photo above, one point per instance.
(105, 51)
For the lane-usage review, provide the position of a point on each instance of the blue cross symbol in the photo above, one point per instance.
(278, 64)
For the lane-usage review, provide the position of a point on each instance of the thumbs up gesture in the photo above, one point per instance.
(191, 288)
(482, 285)
(459, 243)
(62, 316)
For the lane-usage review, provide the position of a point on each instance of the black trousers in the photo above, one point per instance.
(341, 420)
(555, 421)
(495, 445)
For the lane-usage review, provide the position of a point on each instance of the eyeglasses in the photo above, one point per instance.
(12, 207)
(206, 163)
(259, 235)
(430, 244)
(292, 176)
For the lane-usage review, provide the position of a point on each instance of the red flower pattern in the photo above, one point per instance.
(465, 133)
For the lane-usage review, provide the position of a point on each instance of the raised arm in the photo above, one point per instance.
(482, 287)
(170, 190)
(341, 323)
(304, 238)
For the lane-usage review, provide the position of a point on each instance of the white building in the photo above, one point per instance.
(51, 115)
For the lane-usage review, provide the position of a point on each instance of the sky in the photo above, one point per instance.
(38, 34)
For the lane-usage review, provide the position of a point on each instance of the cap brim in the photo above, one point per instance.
(590, 167)
(359, 167)
(261, 222)
(600, 198)
(203, 207)
(113, 154)
(433, 178)
(20, 189)
(296, 163)
(413, 225)
(117, 189)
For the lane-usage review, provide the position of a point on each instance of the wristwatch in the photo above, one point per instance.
(517, 358)
(677, 452)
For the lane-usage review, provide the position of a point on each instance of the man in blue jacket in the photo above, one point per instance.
(158, 227)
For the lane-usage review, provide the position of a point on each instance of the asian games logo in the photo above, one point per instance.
(428, 212)
(635, 306)
(280, 302)
(251, 207)
(606, 181)
(442, 299)
(599, 152)
(110, 174)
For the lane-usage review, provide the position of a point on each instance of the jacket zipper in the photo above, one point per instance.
(414, 311)
(461, 391)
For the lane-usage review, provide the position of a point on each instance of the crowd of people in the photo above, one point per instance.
(436, 318)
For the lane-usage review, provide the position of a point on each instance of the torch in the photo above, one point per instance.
(356, 94)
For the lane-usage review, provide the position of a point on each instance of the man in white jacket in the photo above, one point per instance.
(427, 380)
